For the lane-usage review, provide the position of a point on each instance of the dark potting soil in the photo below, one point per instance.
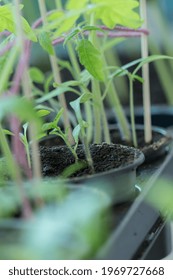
(105, 157)
(158, 146)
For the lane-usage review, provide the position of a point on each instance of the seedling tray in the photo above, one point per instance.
(137, 224)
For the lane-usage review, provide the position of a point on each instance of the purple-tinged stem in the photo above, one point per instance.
(125, 33)
(5, 33)
(8, 46)
(15, 123)
(122, 28)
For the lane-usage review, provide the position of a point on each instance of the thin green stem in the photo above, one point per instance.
(132, 113)
(97, 117)
(58, 4)
(27, 92)
(15, 174)
(12, 167)
(106, 131)
(99, 110)
(87, 105)
(56, 75)
(121, 84)
(5, 74)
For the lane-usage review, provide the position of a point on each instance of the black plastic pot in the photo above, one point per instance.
(119, 183)
(139, 226)
(159, 146)
(162, 115)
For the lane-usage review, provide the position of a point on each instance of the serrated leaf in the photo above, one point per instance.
(90, 58)
(46, 42)
(61, 23)
(8, 22)
(113, 12)
(73, 4)
(66, 25)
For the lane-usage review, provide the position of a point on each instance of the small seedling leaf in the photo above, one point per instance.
(92, 28)
(75, 133)
(85, 97)
(36, 75)
(43, 113)
(150, 59)
(58, 116)
(73, 168)
(8, 132)
(53, 93)
(48, 126)
(138, 78)
(71, 35)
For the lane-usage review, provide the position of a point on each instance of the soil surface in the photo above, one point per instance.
(158, 146)
(105, 157)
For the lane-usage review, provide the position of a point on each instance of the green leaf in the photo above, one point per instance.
(28, 30)
(113, 12)
(58, 116)
(138, 78)
(48, 126)
(8, 22)
(67, 24)
(90, 58)
(70, 170)
(92, 28)
(76, 107)
(45, 42)
(85, 77)
(57, 14)
(75, 133)
(85, 97)
(36, 75)
(43, 113)
(54, 93)
(61, 22)
(150, 59)
(140, 62)
(8, 132)
(71, 35)
(73, 4)
(20, 107)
